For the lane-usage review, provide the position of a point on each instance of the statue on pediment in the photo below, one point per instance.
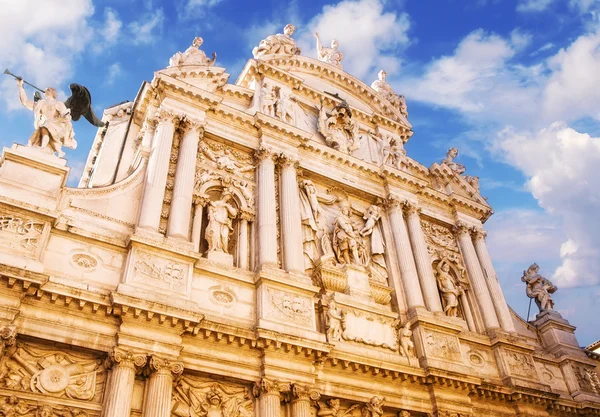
(539, 288)
(331, 55)
(279, 44)
(192, 56)
(338, 128)
(449, 161)
(385, 90)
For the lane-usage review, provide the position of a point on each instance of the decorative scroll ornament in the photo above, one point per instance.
(162, 365)
(539, 288)
(304, 392)
(194, 398)
(192, 56)
(127, 358)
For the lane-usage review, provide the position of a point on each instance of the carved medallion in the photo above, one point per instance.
(84, 261)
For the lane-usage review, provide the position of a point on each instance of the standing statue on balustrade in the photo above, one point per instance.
(539, 288)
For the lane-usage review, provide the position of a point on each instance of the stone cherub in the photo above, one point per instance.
(329, 55)
(281, 43)
(539, 288)
(192, 56)
(374, 408)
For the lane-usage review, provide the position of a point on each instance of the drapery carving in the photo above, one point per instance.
(195, 398)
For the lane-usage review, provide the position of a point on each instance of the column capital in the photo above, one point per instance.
(149, 124)
(270, 386)
(478, 233)
(201, 200)
(163, 115)
(247, 215)
(393, 202)
(126, 358)
(189, 124)
(304, 392)
(265, 152)
(411, 208)
(164, 366)
(287, 161)
(461, 229)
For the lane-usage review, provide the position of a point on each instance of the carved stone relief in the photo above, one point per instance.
(442, 346)
(370, 329)
(84, 261)
(290, 307)
(149, 269)
(406, 345)
(520, 364)
(587, 378)
(13, 406)
(332, 408)
(194, 397)
(53, 372)
(20, 233)
(338, 128)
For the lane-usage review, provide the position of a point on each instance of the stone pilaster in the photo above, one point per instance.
(491, 279)
(267, 211)
(160, 385)
(480, 289)
(269, 394)
(406, 261)
(301, 398)
(291, 228)
(181, 204)
(156, 175)
(422, 257)
(124, 364)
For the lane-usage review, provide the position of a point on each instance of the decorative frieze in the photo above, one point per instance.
(20, 234)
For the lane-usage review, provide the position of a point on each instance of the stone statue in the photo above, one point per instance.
(449, 161)
(539, 288)
(345, 238)
(192, 56)
(310, 212)
(448, 288)
(334, 322)
(407, 347)
(377, 266)
(52, 121)
(329, 55)
(281, 43)
(227, 162)
(268, 100)
(220, 216)
(394, 153)
(339, 130)
(382, 87)
(374, 406)
(286, 107)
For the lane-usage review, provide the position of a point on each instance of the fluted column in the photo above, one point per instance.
(406, 261)
(267, 212)
(422, 258)
(124, 365)
(199, 203)
(160, 384)
(244, 244)
(480, 289)
(158, 166)
(181, 204)
(291, 228)
(301, 398)
(148, 130)
(269, 393)
(467, 311)
(491, 278)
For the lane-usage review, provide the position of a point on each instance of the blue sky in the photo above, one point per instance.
(514, 84)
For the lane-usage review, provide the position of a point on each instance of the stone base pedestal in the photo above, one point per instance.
(220, 258)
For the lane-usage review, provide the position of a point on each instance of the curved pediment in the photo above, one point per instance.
(303, 73)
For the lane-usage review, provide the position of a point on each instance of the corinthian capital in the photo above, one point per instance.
(190, 124)
(163, 115)
(461, 229)
(411, 207)
(265, 152)
(304, 392)
(161, 365)
(393, 202)
(126, 358)
(479, 233)
(270, 386)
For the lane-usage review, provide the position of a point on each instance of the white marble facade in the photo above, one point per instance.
(265, 248)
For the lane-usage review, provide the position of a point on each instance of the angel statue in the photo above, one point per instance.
(52, 117)
(329, 55)
(539, 288)
(193, 56)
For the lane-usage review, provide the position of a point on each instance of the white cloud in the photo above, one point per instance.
(520, 40)
(40, 41)
(526, 6)
(191, 9)
(369, 37)
(113, 72)
(112, 27)
(147, 28)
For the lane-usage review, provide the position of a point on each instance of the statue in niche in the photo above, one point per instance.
(310, 211)
(382, 87)
(192, 56)
(345, 238)
(220, 216)
(268, 99)
(281, 43)
(195, 399)
(450, 291)
(449, 161)
(407, 347)
(374, 408)
(377, 265)
(329, 55)
(539, 288)
(339, 130)
(334, 322)
(393, 152)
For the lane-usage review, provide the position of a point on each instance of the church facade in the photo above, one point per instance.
(266, 248)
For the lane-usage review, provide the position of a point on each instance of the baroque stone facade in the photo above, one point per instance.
(265, 248)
